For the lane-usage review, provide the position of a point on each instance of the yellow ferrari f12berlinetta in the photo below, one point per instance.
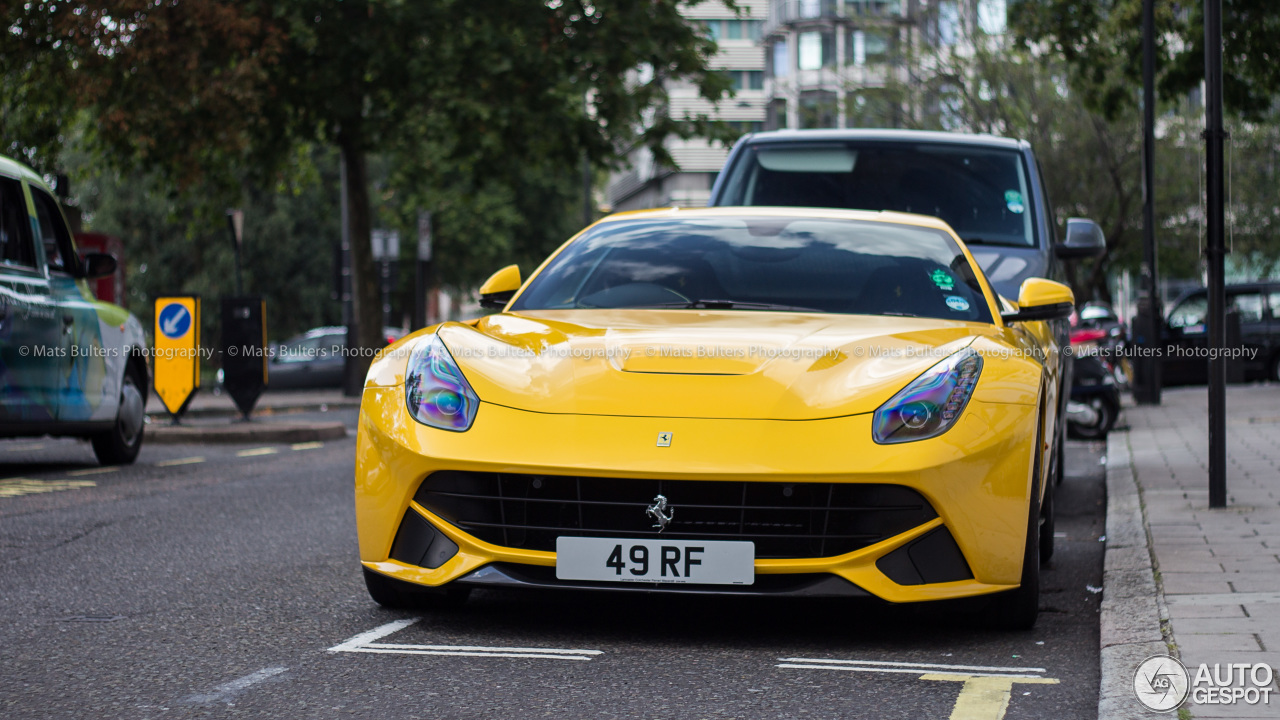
(784, 402)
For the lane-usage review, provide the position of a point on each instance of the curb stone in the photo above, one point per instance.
(1132, 611)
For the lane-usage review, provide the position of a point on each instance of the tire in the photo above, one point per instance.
(120, 444)
(1018, 609)
(1107, 413)
(1046, 525)
(400, 595)
(1059, 472)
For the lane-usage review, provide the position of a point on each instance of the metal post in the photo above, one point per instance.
(1215, 251)
(1148, 390)
(348, 308)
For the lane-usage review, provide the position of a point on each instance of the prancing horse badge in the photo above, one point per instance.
(664, 439)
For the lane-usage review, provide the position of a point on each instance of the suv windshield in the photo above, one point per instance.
(980, 191)
(763, 263)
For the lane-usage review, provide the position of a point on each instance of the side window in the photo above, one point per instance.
(1190, 312)
(1274, 299)
(17, 249)
(1248, 305)
(58, 250)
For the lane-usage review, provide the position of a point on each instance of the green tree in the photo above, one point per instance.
(1101, 42)
(215, 87)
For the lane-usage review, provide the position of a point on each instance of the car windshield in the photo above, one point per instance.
(980, 191)
(763, 263)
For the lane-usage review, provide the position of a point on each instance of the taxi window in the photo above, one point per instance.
(58, 250)
(16, 246)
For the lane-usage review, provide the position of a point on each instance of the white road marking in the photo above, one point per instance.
(930, 666)
(481, 648)
(984, 692)
(488, 652)
(904, 671)
(227, 691)
(16, 487)
(377, 633)
(180, 461)
(307, 446)
(92, 471)
(257, 451)
(366, 642)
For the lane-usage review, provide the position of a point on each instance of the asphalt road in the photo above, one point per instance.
(216, 581)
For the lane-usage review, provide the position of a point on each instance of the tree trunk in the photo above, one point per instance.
(365, 296)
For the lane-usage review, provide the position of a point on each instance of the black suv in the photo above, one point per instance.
(1187, 336)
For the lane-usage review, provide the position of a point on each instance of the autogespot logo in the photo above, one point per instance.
(1161, 683)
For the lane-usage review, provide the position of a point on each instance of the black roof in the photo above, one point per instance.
(917, 136)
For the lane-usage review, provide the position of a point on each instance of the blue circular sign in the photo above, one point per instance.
(174, 320)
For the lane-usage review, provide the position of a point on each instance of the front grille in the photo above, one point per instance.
(784, 520)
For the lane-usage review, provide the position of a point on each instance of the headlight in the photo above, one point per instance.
(930, 405)
(437, 393)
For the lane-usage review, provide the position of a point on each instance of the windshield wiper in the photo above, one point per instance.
(734, 305)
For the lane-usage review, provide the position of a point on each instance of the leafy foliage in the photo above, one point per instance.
(1102, 44)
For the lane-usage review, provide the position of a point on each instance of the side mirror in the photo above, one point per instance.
(1041, 299)
(96, 265)
(1084, 239)
(501, 286)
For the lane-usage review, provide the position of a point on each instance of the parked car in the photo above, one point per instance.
(313, 359)
(1187, 333)
(69, 364)
(989, 189)
(729, 401)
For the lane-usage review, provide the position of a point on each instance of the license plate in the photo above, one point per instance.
(660, 561)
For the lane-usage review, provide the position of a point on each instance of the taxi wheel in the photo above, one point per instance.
(399, 595)
(120, 444)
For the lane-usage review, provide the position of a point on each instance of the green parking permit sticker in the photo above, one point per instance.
(942, 279)
(1013, 200)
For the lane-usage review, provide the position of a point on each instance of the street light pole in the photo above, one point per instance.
(1215, 251)
(1152, 317)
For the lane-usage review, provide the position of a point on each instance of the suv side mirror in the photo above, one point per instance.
(1041, 299)
(1084, 239)
(501, 286)
(97, 265)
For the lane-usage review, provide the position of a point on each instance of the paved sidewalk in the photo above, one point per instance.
(1217, 571)
(207, 403)
(276, 418)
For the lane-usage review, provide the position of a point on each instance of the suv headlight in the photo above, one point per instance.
(435, 389)
(930, 405)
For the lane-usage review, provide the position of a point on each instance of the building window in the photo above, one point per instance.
(746, 79)
(776, 118)
(810, 51)
(817, 50)
(732, 29)
(781, 63)
(817, 109)
(948, 22)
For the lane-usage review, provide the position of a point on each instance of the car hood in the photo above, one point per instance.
(703, 364)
